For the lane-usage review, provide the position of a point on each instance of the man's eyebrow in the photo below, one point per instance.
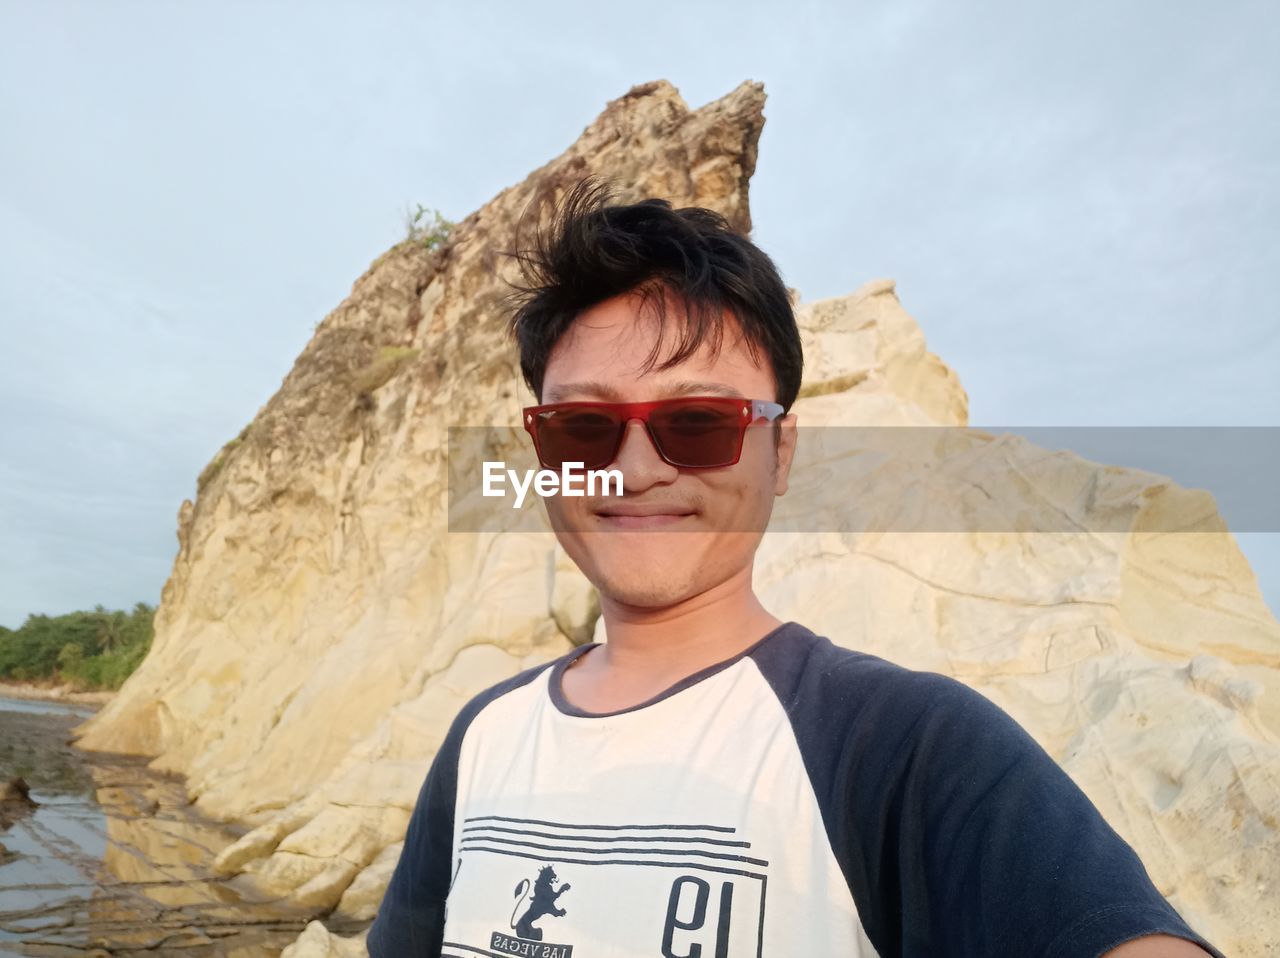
(592, 389)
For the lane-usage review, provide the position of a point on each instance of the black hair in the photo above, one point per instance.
(595, 249)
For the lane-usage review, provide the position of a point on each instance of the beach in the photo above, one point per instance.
(54, 693)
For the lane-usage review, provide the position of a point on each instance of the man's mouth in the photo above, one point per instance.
(643, 515)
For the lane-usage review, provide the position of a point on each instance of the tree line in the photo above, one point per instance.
(86, 650)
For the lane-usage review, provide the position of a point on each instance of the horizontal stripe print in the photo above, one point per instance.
(669, 845)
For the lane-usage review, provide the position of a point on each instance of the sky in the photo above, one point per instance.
(1079, 202)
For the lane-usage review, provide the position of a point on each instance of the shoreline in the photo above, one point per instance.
(54, 693)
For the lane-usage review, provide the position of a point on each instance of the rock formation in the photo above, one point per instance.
(321, 627)
(15, 802)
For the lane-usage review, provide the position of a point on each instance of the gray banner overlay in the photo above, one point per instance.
(1157, 479)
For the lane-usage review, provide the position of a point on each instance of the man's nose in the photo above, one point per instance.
(639, 462)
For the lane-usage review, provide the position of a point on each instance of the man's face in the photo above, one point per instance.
(709, 521)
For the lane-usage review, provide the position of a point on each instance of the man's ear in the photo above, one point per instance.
(786, 452)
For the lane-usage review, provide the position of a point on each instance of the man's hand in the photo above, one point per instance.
(1157, 946)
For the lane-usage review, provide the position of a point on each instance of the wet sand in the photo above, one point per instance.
(112, 861)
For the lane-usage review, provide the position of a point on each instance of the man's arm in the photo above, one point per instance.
(966, 837)
(957, 833)
(410, 920)
(1016, 856)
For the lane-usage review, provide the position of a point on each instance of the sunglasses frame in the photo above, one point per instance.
(751, 411)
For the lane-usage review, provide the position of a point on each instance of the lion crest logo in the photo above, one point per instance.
(542, 897)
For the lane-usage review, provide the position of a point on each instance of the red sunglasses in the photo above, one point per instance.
(689, 432)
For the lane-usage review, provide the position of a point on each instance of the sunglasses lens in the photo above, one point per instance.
(698, 435)
(586, 436)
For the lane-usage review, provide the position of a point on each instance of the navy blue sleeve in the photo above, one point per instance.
(410, 919)
(957, 832)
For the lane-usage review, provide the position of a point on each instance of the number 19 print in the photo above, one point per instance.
(540, 889)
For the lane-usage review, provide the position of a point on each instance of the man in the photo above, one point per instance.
(713, 781)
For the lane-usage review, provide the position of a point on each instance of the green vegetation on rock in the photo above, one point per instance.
(389, 361)
(430, 232)
(219, 460)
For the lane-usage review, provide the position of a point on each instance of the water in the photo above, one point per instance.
(112, 861)
(37, 707)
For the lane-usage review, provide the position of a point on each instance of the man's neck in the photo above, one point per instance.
(648, 650)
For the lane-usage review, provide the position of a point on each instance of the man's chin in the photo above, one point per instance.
(646, 570)
(627, 591)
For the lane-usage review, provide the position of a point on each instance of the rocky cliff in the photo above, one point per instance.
(321, 626)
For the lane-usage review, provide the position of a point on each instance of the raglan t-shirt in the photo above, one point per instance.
(798, 799)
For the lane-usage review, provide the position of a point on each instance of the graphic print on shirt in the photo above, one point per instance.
(674, 890)
(543, 903)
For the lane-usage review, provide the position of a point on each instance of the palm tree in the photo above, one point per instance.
(111, 630)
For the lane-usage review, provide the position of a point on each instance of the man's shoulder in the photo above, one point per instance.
(855, 710)
(807, 669)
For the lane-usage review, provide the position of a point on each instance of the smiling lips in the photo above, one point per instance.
(642, 515)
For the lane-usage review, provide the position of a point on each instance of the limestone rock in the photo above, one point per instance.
(15, 801)
(320, 627)
(316, 942)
